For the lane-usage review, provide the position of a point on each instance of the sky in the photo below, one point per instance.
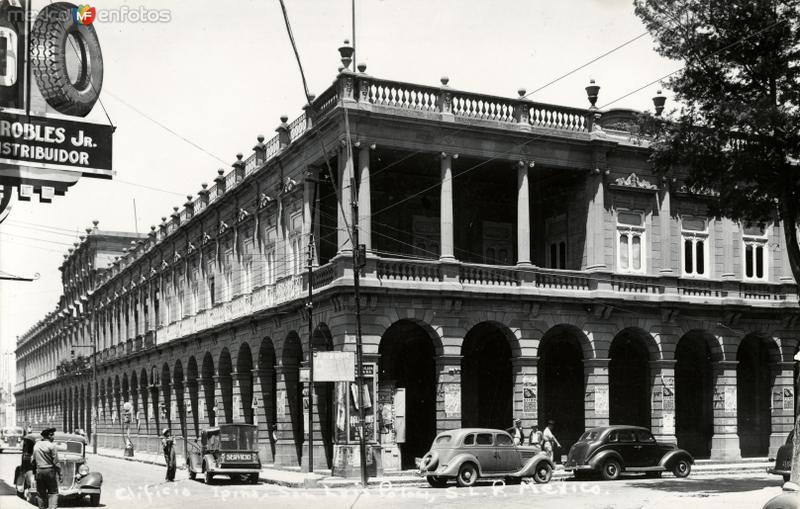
(219, 73)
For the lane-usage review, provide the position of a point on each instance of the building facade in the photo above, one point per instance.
(522, 259)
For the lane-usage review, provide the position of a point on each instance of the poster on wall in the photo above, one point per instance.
(385, 413)
(668, 393)
(601, 400)
(306, 411)
(668, 424)
(201, 409)
(788, 398)
(529, 395)
(280, 403)
(236, 401)
(730, 399)
(452, 400)
(719, 399)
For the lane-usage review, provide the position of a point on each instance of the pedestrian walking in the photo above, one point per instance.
(535, 436)
(517, 433)
(48, 473)
(168, 446)
(549, 439)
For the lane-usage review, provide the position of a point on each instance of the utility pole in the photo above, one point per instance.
(309, 309)
(358, 263)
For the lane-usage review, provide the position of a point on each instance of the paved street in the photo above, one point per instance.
(140, 486)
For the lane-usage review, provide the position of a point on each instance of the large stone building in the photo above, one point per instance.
(522, 260)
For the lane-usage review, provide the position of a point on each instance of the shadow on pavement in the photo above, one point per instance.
(6, 489)
(709, 486)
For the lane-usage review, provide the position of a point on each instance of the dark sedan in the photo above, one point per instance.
(611, 450)
(783, 460)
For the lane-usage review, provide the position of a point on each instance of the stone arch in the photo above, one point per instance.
(629, 381)
(268, 382)
(192, 385)
(224, 374)
(756, 356)
(696, 353)
(134, 385)
(322, 340)
(408, 352)
(145, 395)
(561, 380)
(291, 358)
(487, 383)
(208, 387)
(244, 372)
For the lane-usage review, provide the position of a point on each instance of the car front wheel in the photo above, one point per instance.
(682, 468)
(611, 470)
(467, 475)
(544, 473)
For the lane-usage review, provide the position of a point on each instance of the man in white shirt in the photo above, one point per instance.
(550, 439)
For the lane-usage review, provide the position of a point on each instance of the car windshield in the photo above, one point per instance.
(589, 436)
(70, 447)
(233, 438)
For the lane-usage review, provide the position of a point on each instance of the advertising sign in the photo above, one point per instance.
(529, 396)
(334, 366)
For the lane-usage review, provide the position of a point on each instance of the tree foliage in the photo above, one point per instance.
(737, 127)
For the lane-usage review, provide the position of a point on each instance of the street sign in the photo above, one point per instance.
(334, 366)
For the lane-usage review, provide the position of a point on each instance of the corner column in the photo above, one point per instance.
(725, 442)
(446, 210)
(523, 214)
(364, 196)
(344, 213)
(595, 404)
(595, 249)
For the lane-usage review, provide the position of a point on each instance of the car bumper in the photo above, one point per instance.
(223, 471)
(80, 492)
(578, 468)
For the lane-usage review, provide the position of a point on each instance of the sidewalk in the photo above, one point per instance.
(294, 478)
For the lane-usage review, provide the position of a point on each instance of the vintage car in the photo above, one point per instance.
(783, 460)
(11, 439)
(228, 449)
(76, 480)
(611, 450)
(469, 454)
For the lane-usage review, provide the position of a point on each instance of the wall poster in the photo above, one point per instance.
(730, 398)
(601, 400)
(668, 394)
(788, 398)
(530, 404)
(452, 400)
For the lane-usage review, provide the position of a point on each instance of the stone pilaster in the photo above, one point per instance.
(725, 442)
(662, 398)
(448, 407)
(596, 402)
(595, 248)
(364, 197)
(345, 212)
(264, 411)
(289, 418)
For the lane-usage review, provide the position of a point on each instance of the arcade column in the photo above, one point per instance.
(596, 395)
(264, 411)
(288, 450)
(725, 442)
(448, 396)
(662, 398)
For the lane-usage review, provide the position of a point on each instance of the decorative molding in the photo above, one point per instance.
(223, 227)
(243, 215)
(633, 183)
(701, 192)
(264, 200)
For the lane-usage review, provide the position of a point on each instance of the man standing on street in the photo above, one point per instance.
(550, 440)
(48, 473)
(517, 433)
(168, 446)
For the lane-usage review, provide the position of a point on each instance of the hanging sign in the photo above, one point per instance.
(334, 366)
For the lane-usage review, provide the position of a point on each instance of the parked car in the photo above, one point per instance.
(783, 460)
(789, 498)
(611, 450)
(11, 439)
(468, 454)
(77, 481)
(228, 449)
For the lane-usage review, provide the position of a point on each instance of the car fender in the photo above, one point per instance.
(529, 468)
(454, 463)
(92, 480)
(601, 457)
(671, 457)
(210, 462)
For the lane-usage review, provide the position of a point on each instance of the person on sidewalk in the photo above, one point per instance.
(535, 437)
(168, 446)
(48, 473)
(517, 433)
(550, 440)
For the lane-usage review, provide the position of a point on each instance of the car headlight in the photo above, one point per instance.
(83, 470)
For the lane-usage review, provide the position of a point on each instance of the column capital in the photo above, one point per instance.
(524, 361)
(522, 163)
(596, 363)
(787, 365)
(663, 364)
(445, 155)
(725, 364)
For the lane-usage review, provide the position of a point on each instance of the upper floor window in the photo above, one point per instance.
(296, 254)
(694, 236)
(630, 241)
(754, 238)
